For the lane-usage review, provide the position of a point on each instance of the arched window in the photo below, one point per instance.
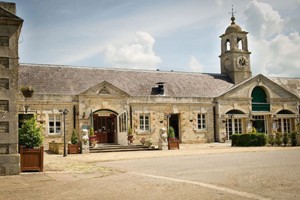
(227, 45)
(239, 44)
(259, 100)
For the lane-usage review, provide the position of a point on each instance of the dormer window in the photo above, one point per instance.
(159, 89)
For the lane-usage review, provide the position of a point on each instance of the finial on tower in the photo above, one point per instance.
(232, 15)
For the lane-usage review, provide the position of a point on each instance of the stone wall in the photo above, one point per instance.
(9, 32)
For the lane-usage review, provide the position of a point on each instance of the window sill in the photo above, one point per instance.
(200, 130)
(143, 132)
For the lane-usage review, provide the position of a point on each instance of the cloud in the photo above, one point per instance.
(276, 52)
(194, 65)
(262, 20)
(219, 3)
(138, 53)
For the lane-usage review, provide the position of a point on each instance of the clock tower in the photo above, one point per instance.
(235, 57)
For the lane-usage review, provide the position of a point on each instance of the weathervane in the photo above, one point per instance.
(232, 15)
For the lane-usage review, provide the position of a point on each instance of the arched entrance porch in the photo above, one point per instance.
(105, 125)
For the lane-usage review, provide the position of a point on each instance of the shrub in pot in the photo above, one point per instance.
(31, 149)
(173, 143)
(73, 148)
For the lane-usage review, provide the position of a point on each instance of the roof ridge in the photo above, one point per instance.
(118, 69)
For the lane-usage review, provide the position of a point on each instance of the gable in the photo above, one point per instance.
(272, 89)
(104, 89)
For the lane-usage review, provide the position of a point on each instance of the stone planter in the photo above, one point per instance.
(56, 147)
(173, 144)
(32, 159)
(73, 148)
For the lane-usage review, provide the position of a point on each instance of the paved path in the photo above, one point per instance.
(103, 176)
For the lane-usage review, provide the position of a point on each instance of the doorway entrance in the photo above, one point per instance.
(174, 122)
(259, 123)
(105, 127)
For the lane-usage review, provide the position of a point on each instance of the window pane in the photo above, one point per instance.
(51, 129)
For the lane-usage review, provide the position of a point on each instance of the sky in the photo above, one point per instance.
(159, 34)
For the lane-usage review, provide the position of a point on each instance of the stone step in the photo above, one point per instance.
(102, 148)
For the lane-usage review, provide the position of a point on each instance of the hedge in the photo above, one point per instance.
(249, 139)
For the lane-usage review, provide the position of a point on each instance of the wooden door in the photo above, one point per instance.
(105, 128)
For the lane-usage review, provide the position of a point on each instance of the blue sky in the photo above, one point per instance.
(158, 34)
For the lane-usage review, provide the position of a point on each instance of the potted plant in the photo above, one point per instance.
(173, 143)
(129, 136)
(92, 137)
(27, 91)
(31, 149)
(73, 148)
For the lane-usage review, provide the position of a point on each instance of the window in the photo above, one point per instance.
(145, 122)
(54, 124)
(201, 119)
(237, 126)
(284, 125)
(227, 45)
(4, 41)
(4, 83)
(259, 100)
(233, 126)
(122, 122)
(4, 62)
(4, 127)
(4, 105)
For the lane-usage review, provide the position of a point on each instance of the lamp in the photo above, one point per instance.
(64, 112)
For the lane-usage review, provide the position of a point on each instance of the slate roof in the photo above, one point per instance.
(70, 80)
(291, 84)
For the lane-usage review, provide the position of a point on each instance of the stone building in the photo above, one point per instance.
(10, 27)
(201, 107)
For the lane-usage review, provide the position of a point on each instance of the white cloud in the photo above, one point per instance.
(219, 3)
(194, 65)
(276, 53)
(138, 53)
(262, 20)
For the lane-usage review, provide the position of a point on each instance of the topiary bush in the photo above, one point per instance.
(271, 139)
(30, 134)
(249, 139)
(293, 138)
(278, 137)
(235, 139)
(171, 133)
(74, 138)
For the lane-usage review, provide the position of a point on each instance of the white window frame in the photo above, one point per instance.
(201, 121)
(234, 126)
(285, 124)
(55, 121)
(122, 123)
(142, 122)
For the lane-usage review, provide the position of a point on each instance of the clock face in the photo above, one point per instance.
(242, 62)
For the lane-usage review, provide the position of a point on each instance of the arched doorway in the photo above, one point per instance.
(234, 123)
(105, 125)
(285, 121)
